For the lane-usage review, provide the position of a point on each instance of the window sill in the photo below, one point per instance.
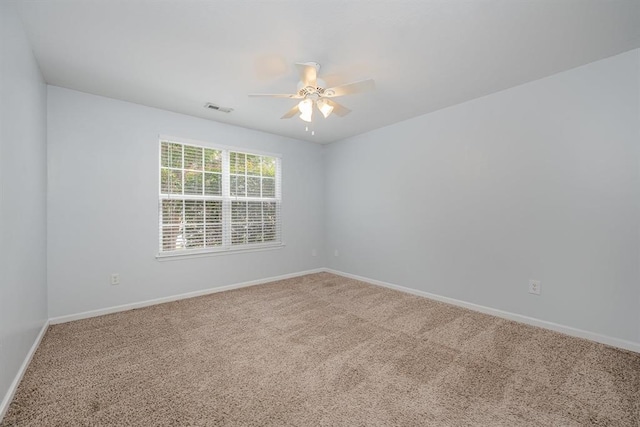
(206, 253)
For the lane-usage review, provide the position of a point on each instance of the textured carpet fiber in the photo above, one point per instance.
(320, 350)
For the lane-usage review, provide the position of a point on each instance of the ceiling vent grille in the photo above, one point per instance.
(215, 107)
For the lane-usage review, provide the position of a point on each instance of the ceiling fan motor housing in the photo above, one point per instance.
(311, 91)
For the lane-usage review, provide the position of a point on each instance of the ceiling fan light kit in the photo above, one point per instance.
(313, 93)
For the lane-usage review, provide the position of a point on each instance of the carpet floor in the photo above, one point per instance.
(320, 350)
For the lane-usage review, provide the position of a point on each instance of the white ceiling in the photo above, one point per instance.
(424, 54)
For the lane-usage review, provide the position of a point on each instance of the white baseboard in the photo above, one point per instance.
(567, 330)
(131, 306)
(23, 368)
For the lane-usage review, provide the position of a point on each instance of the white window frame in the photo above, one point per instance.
(226, 247)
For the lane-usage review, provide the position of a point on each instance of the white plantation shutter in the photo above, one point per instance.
(214, 199)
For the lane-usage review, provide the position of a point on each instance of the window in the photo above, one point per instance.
(216, 199)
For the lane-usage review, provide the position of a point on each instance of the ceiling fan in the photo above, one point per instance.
(313, 93)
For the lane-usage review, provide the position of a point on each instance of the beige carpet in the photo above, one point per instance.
(320, 350)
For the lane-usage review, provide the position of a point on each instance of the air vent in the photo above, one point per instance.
(215, 107)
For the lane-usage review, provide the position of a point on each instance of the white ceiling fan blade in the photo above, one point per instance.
(349, 88)
(308, 73)
(276, 95)
(292, 112)
(338, 109)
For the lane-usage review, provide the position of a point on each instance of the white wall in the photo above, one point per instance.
(23, 292)
(102, 212)
(540, 182)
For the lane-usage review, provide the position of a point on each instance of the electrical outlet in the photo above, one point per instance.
(115, 279)
(534, 287)
(336, 253)
(314, 252)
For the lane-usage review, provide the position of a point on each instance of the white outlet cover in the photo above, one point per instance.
(115, 279)
(534, 287)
